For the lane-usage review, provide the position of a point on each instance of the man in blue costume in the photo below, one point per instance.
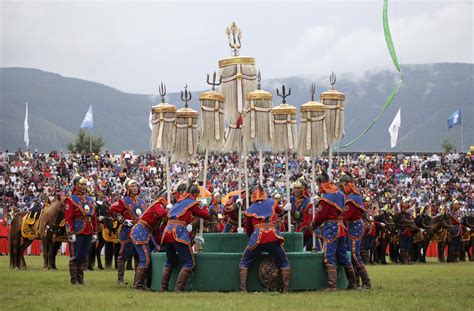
(176, 236)
(260, 225)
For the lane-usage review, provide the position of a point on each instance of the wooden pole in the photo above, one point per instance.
(288, 189)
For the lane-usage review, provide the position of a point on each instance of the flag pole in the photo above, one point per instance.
(462, 131)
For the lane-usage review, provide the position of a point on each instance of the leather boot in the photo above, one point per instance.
(403, 257)
(449, 258)
(365, 255)
(357, 277)
(440, 255)
(140, 276)
(73, 272)
(184, 275)
(362, 271)
(243, 279)
(121, 272)
(165, 280)
(456, 256)
(350, 274)
(148, 278)
(331, 273)
(286, 276)
(80, 273)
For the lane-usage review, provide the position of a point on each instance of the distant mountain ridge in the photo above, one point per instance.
(57, 105)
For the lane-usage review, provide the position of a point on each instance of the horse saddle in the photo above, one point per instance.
(111, 235)
(33, 216)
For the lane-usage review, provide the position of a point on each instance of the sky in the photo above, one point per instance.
(134, 45)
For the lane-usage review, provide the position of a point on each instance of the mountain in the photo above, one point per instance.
(57, 105)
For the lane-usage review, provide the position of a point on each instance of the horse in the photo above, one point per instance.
(441, 224)
(383, 235)
(47, 228)
(107, 236)
(404, 221)
(422, 241)
(468, 238)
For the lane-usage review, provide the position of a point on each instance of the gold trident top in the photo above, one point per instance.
(234, 34)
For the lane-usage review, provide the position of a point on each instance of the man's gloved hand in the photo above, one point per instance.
(239, 203)
(71, 238)
(94, 238)
(287, 207)
(101, 218)
(199, 240)
(240, 230)
(297, 215)
(189, 228)
(219, 216)
(203, 202)
(382, 224)
(468, 229)
(315, 200)
(169, 206)
(128, 223)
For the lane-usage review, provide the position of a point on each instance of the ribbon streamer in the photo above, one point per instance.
(393, 54)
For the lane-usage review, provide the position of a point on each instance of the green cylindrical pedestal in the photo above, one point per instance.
(217, 267)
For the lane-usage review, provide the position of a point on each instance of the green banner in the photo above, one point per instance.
(388, 36)
(393, 54)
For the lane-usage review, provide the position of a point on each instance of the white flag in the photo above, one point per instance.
(26, 137)
(393, 129)
(88, 121)
(150, 124)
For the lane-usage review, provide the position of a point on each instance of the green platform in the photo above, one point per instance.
(217, 267)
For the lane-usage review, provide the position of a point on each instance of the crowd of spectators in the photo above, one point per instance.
(28, 179)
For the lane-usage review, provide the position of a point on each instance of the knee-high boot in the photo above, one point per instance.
(184, 275)
(350, 274)
(331, 274)
(73, 272)
(165, 280)
(286, 276)
(140, 276)
(80, 272)
(243, 279)
(121, 272)
(362, 271)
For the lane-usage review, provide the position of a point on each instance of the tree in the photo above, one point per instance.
(447, 146)
(86, 142)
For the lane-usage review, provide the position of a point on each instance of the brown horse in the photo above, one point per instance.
(48, 230)
(441, 224)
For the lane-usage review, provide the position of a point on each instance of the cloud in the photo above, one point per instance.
(134, 46)
(444, 35)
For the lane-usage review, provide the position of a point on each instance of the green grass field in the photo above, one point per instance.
(431, 286)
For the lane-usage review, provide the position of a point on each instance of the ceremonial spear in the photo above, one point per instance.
(333, 100)
(163, 133)
(212, 129)
(258, 123)
(312, 139)
(284, 122)
(238, 76)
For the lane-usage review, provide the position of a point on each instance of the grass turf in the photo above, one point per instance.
(431, 286)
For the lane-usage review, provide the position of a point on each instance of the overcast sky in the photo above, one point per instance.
(132, 46)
